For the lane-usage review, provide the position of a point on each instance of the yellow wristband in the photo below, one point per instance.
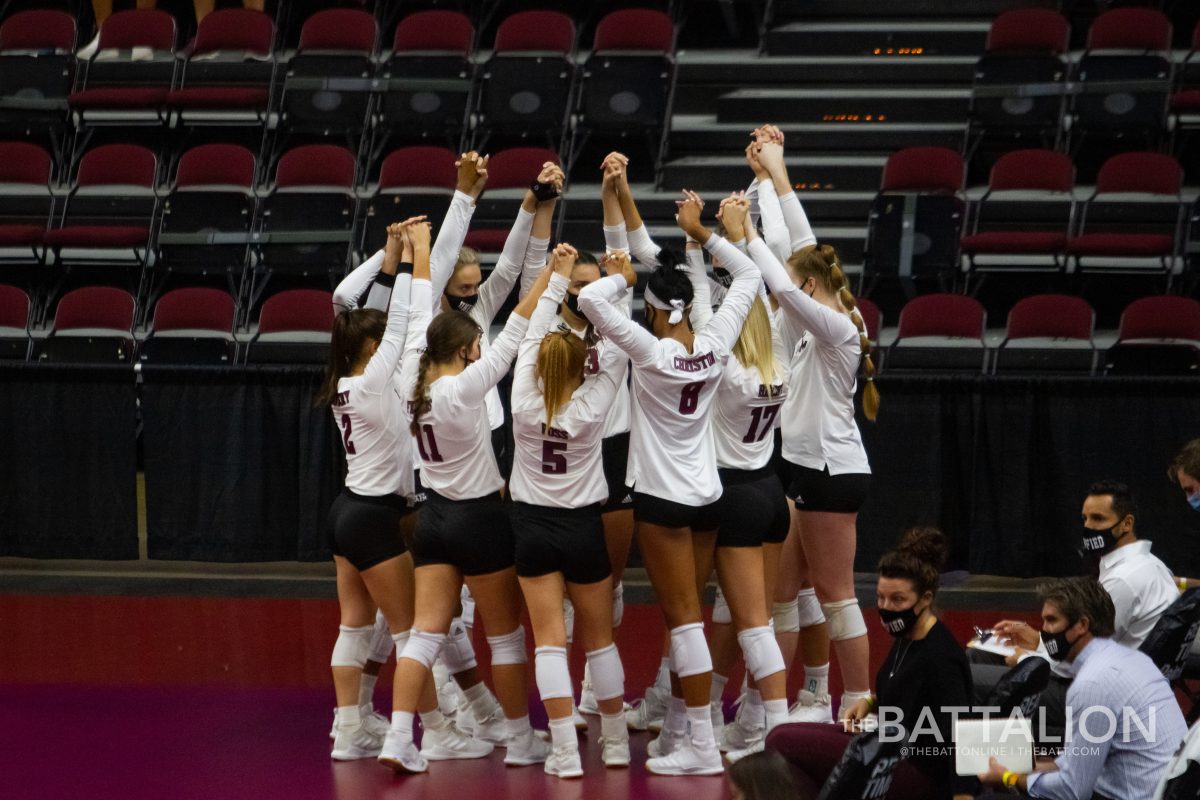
(871, 702)
(1009, 778)
(1183, 584)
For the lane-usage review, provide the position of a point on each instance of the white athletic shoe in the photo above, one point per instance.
(649, 712)
(376, 723)
(811, 708)
(734, 756)
(564, 762)
(355, 741)
(448, 742)
(614, 752)
(525, 750)
(688, 759)
(742, 732)
(490, 729)
(665, 743)
(402, 756)
(333, 727)
(581, 724)
(587, 700)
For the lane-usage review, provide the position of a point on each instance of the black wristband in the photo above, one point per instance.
(543, 191)
(384, 279)
(405, 268)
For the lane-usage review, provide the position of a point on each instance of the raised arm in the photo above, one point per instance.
(701, 289)
(534, 261)
(354, 287)
(552, 285)
(800, 232)
(641, 247)
(725, 325)
(596, 301)
(472, 177)
(819, 320)
(383, 363)
(419, 316)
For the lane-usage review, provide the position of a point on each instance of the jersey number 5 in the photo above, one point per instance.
(553, 460)
(689, 397)
(346, 435)
(427, 444)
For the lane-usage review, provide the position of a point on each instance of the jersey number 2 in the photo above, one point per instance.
(429, 450)
(689, 397)
(553, 460)
(346, 435)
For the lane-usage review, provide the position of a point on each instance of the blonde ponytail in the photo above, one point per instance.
(754, 347)
(560, 361)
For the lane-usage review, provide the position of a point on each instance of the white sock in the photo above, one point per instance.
(676, 721)
(432, 720)
(562, 732)
(366, 689)
(848, 701)
(481, 700)
(718, 688)
(663, 679)
(520, 727)
(612, 726)
(776, 712)
(752, 706)
(402, 725)
(816, 679)
(349, 716)
(587, 674)
(701, 723)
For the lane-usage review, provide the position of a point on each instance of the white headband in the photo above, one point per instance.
(676, 307)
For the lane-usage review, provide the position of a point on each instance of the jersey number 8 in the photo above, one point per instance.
(689, 397)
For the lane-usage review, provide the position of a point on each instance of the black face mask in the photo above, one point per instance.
(572, 301)
(1094, 545)
(900, 623)
(1057, 644)
(463, 304)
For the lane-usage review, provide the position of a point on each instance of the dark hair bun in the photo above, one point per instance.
(926, 543)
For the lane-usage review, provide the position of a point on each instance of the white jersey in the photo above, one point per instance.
(819, 430)
(369, 412)
(493, 291)
(746, 412)
(560, 466)
(671, 450)
(454, 441)
(599, 349)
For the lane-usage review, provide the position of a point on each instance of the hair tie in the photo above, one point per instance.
(676, 307)
(676, 312)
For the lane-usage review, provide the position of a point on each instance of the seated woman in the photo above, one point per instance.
(925, 669)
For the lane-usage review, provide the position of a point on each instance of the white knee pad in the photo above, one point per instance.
(352, 646)
(786, 617)
(509, 648)
(618, 604)
(810, 608)
(381, 641)
(608, 674)
(761, 652)
(423, 647)
(458, 654)
(468, 606)
(689, 650)
(569, 619)
(399, 641)
(721, 613)
(845, 619)
(550, 668)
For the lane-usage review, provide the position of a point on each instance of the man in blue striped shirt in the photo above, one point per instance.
(1123, 721)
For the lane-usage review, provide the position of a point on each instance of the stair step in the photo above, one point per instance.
(886, 39)
(824, 9)
(855, 106)
(820, 172)
(700, 133)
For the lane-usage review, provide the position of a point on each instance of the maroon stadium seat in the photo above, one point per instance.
(1187, 99)
(192, 325)
(526, 84)
(940, 331)
(1030, 30)
(24, 215)
(297, 311)
(434, 31)
(924, 169)
(534, 31)
(136, 86)
(325, 165)
(515, 167)
(339, 29)
(412, 180)
(635, 29)
(39, 29)
(1041, 173)
(871, 315)
(1130, 29)
(95, 310)
(215, 165)
(1157, 335)
(338, 45)
(431, 167)
(1051, 316)
(228, 68)
(1139, 241)
(429, 78)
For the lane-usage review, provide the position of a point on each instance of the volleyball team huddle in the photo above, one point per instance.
(666, 428)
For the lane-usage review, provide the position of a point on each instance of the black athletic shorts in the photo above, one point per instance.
(669, 514)
(566, 540)
(366, 530)
(614, 450)
(502, 448)
(419, 497)
(473, 535)
(754, 510)
(817, 490)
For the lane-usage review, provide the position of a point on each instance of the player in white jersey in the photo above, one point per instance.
(821, 441)
(557, 489)
(373, 567)
(458, 284)
(672, 463)
(753, 509)
(464, 531)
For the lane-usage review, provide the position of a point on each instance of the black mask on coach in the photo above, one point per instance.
(1057, 644)
(1094, 545)
(900, 623)
(462, 303)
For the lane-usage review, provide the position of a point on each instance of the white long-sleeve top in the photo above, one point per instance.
(746, 411)
(454, 441)
(369, 412)
(560, 466)
(819, 430)
(671, 449)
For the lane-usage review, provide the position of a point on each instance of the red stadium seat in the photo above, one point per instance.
(336, 44)
(536, 31)
(324, 165)
(1157, 335)
(516, 167)
(14, 323)
(297, 311)
(92, 324)
(871, 315)
(924, 169)
(1185, 103)
(412, 181)
(526, 85)
(215, 165)
(1023, 175)
(427, 167)
(192, 325)
(136, 86)
(340, 29)
(1030, 30)
(1130, 29)
(434, 31)
(940, 331)
(635, 29)
(228, 69)
(429, 78)
(1048, 333)
(39, 29)
(37, 72)
(25, 213)
(1142, 236)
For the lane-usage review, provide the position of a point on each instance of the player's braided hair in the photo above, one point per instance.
(449, 332)
(351, 330)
